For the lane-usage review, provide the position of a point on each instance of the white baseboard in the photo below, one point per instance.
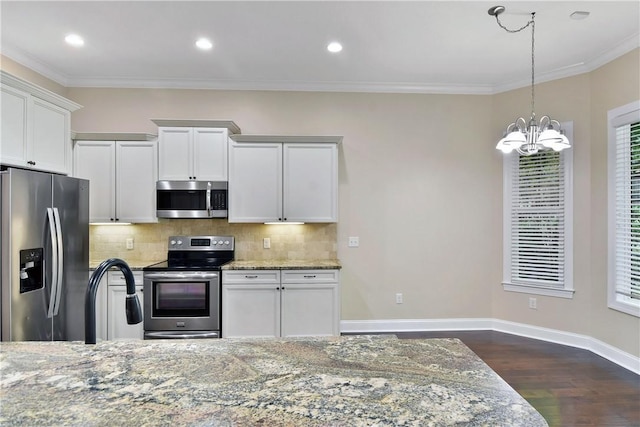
(585, 342)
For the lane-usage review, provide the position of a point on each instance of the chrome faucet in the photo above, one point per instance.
(132, 304)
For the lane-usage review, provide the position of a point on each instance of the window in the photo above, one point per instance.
(624, 208)
(538, 239)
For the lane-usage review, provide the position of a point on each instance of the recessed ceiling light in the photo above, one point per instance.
(204, 44)
(334, 47)
(74, 40)
(579, 15)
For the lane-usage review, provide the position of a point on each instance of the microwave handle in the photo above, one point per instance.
(209, 199)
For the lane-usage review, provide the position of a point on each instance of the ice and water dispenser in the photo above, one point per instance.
(31, 269)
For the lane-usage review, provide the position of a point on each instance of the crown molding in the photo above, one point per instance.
(599, 60)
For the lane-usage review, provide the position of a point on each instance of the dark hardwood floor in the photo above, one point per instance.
(568, 386)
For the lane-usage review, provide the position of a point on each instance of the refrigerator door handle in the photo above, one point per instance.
(56, 216)
(54, 261)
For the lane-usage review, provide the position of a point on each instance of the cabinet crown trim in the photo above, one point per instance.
(198, 123)
(112, 136)
(37, 91)
(287, 138)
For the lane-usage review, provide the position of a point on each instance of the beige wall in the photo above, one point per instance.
(420, 184)
(614, 85)
(585, 100)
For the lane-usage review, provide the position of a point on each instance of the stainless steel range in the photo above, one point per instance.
(182, 295)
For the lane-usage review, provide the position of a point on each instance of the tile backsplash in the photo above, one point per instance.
(292, 242)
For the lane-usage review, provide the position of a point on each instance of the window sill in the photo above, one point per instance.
(631, 309)
(537, 290)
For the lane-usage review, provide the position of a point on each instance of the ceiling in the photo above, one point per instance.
(389, 46)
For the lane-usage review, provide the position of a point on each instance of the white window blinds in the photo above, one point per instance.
(537, 221)
(538, 236)
(625, 155)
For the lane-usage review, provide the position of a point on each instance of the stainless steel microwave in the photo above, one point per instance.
(191, 199)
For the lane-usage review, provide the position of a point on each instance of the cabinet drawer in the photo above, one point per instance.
(117, 278)
(310, 276)
(251, 276)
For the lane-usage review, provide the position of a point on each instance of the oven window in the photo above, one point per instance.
(190, 299)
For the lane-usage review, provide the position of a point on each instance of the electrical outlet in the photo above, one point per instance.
(266, 243)
(398, 298)
(354, 242)
(533, 303)
(129, 243)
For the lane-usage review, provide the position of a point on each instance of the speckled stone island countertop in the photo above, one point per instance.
(313, 264)
(338, 381)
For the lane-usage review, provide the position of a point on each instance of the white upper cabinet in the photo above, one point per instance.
(283, 179)
(255, 182)
(310, 182)
(122, 177)
(35, 127)
(175, 157)
(191, 150)
(15, 106)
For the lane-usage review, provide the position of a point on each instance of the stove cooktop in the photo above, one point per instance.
(191, 266)
(196, 253)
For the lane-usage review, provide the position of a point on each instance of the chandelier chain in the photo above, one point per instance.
(533, 61)
(531, 23)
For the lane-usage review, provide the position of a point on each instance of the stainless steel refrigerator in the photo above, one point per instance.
(44, 255)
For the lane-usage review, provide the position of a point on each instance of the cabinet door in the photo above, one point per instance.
(13, 125)
(175, 153)
(310, 310)
(210, 154)
(255, 182)
(95, 161)
(310, 182)
(117, 327)
(50, 144)
(136, 175)
(250, 310)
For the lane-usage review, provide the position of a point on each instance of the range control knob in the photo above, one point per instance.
(173, 242)
(226, 242)
(179, 242)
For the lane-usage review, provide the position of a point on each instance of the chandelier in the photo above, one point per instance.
(532, 136)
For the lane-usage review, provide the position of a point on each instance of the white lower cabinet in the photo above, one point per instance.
(274, 303)
(117, 326)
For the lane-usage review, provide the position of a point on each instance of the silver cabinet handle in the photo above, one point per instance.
(311, 276)
(251, 277)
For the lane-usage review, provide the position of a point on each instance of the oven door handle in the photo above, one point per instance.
(180, 335)
(180, 275)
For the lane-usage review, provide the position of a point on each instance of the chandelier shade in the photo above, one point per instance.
(533, 136)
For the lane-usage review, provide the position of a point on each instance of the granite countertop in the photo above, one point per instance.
(133, 264)
(313, 264)
(337, 381)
